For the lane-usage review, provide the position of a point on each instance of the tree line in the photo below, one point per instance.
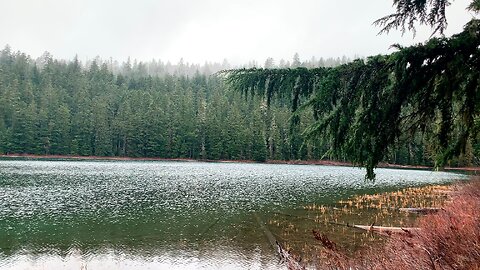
(54, 107)
(62, 108)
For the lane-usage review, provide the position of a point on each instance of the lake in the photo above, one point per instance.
(62, 214)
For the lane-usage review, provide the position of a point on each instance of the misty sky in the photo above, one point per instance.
(204, 30)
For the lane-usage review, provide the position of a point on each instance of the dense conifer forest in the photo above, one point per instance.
(103, 108)
(53, 107)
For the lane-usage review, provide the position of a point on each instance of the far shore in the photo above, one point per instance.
(292, 162)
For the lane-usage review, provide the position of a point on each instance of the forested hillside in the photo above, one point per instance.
(53, 107)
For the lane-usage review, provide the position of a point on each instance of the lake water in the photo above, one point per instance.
(163, 215)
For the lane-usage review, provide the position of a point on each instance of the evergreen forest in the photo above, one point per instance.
(157, 110)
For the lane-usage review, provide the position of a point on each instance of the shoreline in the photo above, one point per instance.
(289, 162)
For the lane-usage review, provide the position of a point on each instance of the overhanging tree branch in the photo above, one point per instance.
(360, 106)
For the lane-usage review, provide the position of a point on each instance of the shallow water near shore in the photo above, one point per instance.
(164, 215)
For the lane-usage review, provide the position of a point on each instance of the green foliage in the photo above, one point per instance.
(410, 12)
(474, 6)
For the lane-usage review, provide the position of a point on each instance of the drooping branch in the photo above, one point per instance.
(410, 12)
(363, 107)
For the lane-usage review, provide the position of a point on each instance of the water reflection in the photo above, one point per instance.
(56, 214)
(115, 259)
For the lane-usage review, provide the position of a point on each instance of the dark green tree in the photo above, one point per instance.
(363, 108)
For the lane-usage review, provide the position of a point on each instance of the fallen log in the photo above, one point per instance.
(289, 259)
(267, 232)
(385, 230)
(421, 211)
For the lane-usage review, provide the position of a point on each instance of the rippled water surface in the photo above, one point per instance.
(162, 215)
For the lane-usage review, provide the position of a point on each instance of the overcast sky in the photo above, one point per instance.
(204, 30)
